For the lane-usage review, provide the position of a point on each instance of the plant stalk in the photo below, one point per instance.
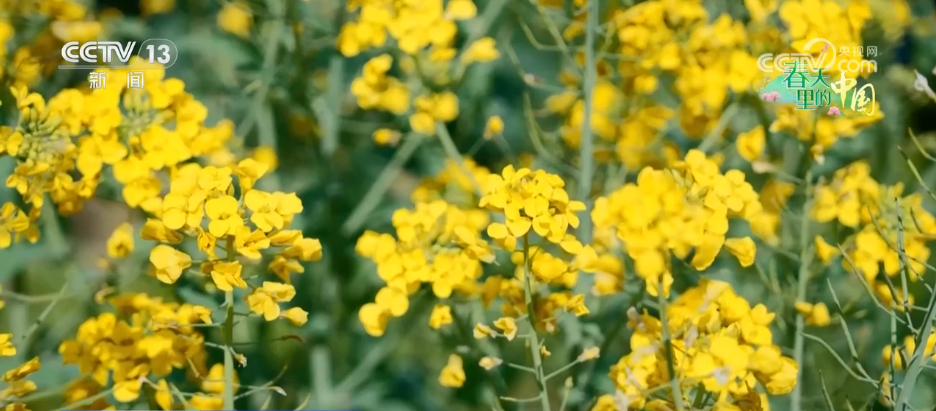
(534, 340)
(228, 336)
(801, 287)
(587, 140)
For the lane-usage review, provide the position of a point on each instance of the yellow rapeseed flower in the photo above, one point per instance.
(120, 242)
(441, 316)
(236, 18)
(816, 315)
(489, 363)
(751, 144)
(227, 275)
(168, 263)
(493, 127)
(482, 50)
(453, 375)
(508, 327)
(23, 370)
(743, 249)
(296, 316)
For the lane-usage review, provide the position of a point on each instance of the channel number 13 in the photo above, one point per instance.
(163, 50)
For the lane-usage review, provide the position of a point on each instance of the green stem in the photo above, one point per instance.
(266, 129)
(587, 141)
(494, 380)
(34, 299)
(562, 370)
(85, 401)
(670, 356)
(327, 107)
(699, 401)
(534, 340)
(586, 378)
(373, 196)
(715, 135)
(922, 353)
(177, 393)
(41, 395)
(378, 354)
(452, 152)
(801, 287)
(484, 22)
(321, 375)
(45, 313)
(228, 336)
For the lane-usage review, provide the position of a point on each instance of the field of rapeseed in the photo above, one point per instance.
(458, 205)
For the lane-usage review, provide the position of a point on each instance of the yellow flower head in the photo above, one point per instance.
(494, 127)
(481, 51)
(168, 263)
(227, 275)
(236, 18)
(529, 200)
(441, 316)
(120, 242)
(453, 375)
(508, 326)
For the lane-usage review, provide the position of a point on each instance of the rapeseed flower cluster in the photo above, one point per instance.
(26, 62)
(774, 195)
(441, 244)
(886, 225)
(432, 108)
(534, 216)
(899, 356)
(425, 32)
(201, 205)
(143, 340)
(66, 146)
(720, 345)
(839, 24)
(693, 196)
(375, 89)
(822, 131)
(706, 58)
(413, 26)
(674, 212)
(531, 201)
(436, 243)
(538, 215)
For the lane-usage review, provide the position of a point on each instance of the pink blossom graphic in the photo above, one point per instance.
(834, 111)
(771, 97)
